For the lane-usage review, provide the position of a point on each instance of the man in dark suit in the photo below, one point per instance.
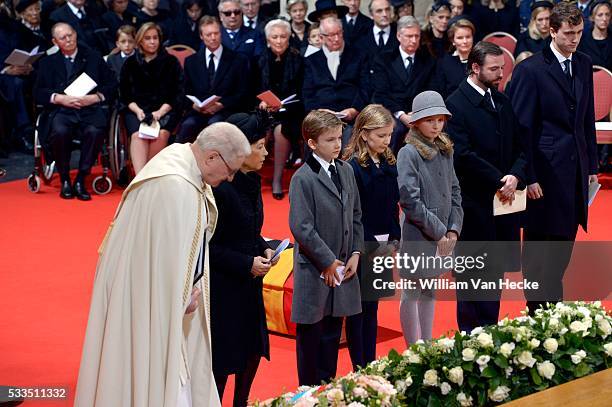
(489, 161)
(355, 24)
(400, 74)
(251, 16)
(336, 77)
(383, 35)
(69, 117)
(86, 21)
(552, 93)
(235, 35)
(213, 70)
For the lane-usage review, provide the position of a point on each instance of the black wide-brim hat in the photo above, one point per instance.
(322, 6)
(253, 125)
(24, 4)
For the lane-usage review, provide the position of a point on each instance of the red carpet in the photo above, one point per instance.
(47, 267)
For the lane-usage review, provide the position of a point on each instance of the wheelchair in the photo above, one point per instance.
(112, 165)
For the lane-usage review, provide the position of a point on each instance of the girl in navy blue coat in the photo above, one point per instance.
(373, 164)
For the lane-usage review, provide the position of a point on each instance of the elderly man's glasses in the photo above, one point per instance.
(230, 12)
(231, 172)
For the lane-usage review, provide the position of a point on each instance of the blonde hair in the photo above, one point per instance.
(372, 117)
(461, 23)
(146, 27)
(534, 33)
(318, 122)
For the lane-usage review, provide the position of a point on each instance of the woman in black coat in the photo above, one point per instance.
(495, 15)
(297, 10)
(117, 15)
(538, 31)
(452, 67)
(598, 43)
(282, 72)
(151, 86)
(151, 12)
(239, 259)
(373, 164)
(434, 36)
(185, 30)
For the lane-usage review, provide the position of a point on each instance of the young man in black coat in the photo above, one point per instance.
(552, 93)
(355, 24)
(213, 70)
(489, 161)
(70, 117)
(400, 74)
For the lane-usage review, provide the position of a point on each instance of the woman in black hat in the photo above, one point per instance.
(239, 259)
(30, 33)
(434, 32)
(538, 31)
(326, 8)
(598, 43)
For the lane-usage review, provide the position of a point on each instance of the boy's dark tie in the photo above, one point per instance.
(335, 178)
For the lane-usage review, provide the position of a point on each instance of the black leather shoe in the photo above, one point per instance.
(278, 195)
(80, 191)
(66, 191)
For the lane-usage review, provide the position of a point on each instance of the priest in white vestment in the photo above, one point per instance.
(148, 336)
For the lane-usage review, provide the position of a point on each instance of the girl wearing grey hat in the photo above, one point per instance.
(430, 199)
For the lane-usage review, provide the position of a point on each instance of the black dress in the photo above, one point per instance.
(600, 51)
(450, 71)
(437, 47)
(150, 85)
(237, 314)
(284, 78)
(488, 20)
(294, 40)
(526, 43)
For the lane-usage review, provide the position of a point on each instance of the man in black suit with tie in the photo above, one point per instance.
(401, 74)
(382, 36)
(235, 35)
(69, 117)
(552, 94)
(86, 21)
(355, 24)
(213, 70)
(336, 77)
(251, 16)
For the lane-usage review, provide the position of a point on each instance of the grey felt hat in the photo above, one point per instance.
(428, 103)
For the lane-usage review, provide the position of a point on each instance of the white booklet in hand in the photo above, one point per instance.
(81, 86)
(282, 246)
(519, 204)
(201, 104)
(149, 132)
(340, 271)
(593, 189)
(19, 57)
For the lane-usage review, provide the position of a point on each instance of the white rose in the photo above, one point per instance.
(413, 357)
(335, 395)
(605, 327)
(578, 356)
(468, 354)
(445, 388)
(482, 362)
(455, 375)
(551, 345)
(526, 359)
(563, 331)
(546, 369)
(430, 378)
(464, 400)
(499, 394)
(485, 340)
(507, 348)
(553, 322)
(360, 392)
(584, 311)
(578, 326)
(598, 317)
(534, 343)
(597, 304)
(608, 349)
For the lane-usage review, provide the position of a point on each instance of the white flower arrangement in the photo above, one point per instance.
(492, 364)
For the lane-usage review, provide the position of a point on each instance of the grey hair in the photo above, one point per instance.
(407, 22)
(227, 1)
(277, 23)
(292, 3)
(224, 138)
(61, 24)
(330, 20)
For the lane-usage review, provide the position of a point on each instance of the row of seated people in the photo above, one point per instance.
(343, 77)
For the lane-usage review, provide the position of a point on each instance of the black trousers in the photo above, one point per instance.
(242, 386)
(317, 350)
(66, 127)
(545, 258)
(194, 123)
(361, 330)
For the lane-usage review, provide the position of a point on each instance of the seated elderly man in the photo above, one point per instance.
(213, 70)
(401, 74)
(74, 116)
(336, 77)
(235, 35)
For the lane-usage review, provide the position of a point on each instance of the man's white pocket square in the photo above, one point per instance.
(249, 41)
